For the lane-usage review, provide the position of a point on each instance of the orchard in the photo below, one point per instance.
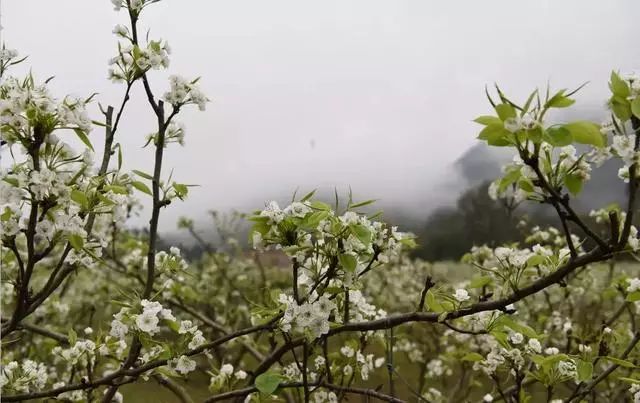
(95, 312)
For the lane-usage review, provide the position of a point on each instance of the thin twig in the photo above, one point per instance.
(176, 389)
(428, 284)
(606, 372)
(337, 388)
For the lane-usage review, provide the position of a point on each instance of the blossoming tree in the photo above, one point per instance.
(89, 307)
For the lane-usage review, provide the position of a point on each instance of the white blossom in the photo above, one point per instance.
(461, 295)
(183, 364)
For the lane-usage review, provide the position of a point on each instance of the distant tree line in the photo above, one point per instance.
(476, 219)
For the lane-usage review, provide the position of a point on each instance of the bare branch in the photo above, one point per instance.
(337, 388)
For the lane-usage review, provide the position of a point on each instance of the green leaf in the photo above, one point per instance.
(142, 174)
(505, 111)
(474, 357)
(318, 205)
(527, 104)
(181, 190)
(573, 183)
(584, 369)
(268, 382)
(633, 296)
(348, 262)
(534, 134)
(620, 107)
(525, 184)
(173, 325)
(83, 137)
(559, 100)
(480, 282)
(635, 106)
(76, 241)
(80, 197)
(513, 325)
(535, 260)
(488, 120)
(141, 187)
(432, 303)
(620, 362)
(501, 338)
(558, 136)
(509, 178)
(308, 196)
(105, 199)
(116, 189)
(6, 214)
(409, 242)
(553, 359)
(503, 98)
(376, 216)
(11, 181)
(618, 86)
(72, 336)
(362, 204)
(495, 135)
(361, 232)
(584, 132)
(537, 359)
(119, 156)
(312, 220)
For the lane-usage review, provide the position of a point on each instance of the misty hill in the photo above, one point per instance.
(475, 219)
(482, 163)
(446, 230)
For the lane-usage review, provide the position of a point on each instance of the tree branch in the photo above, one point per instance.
(606, 372)
(633, 186)
(336, 388)
(176, 389)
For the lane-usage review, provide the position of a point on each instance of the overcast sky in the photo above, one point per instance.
(378, 95)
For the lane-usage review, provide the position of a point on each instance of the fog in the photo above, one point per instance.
(375, 95)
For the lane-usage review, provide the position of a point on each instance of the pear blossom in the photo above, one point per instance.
(183, 364)
(461, 295)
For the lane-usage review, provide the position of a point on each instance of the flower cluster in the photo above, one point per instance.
(152, 312)
(133, 5)
(183, 92)
(171, 262)
(351, 361)
(309, 318)
(6, 56)
(133, 61)
(324, 396)
(29, 114)
(225, 378)
(322, 242)
(519, 123)
(547, 158)
(82, 352)
(174, 134)
(147, 321)
(188, 328)
(461, 295)
(513, 265)
(23, 377)
(634, 389)
(183, 364)
(73, 112)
